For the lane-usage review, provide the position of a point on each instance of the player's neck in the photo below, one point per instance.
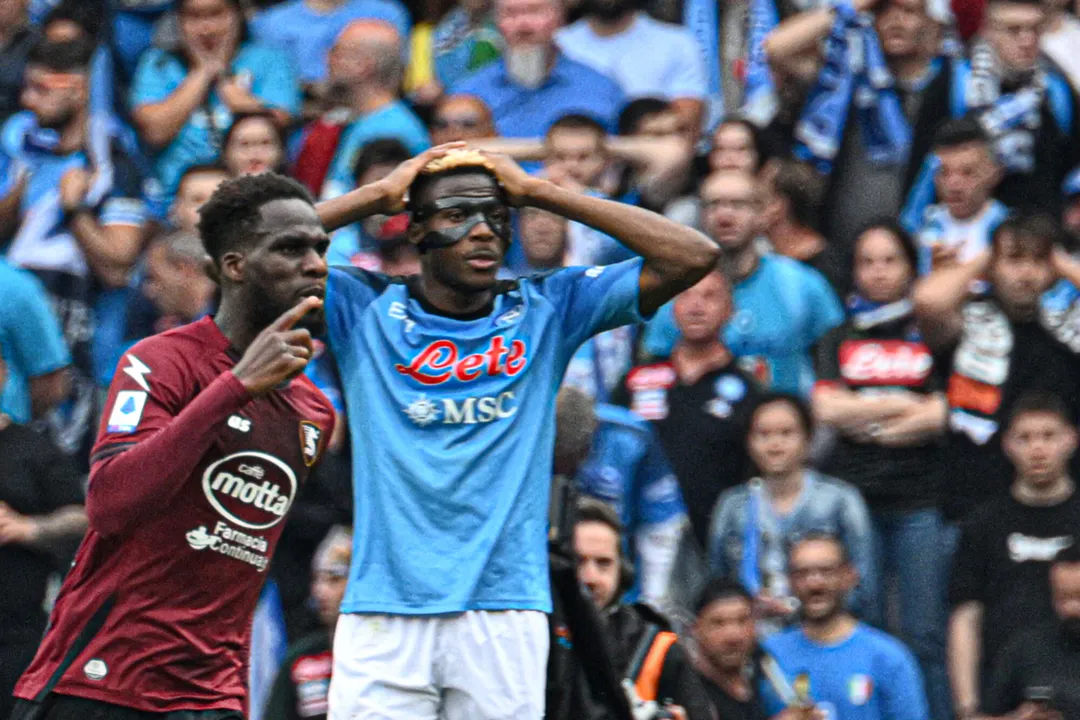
(446, 300)
(786, 487)
(73, 136)
(741, 263)
(732, 680)
(832, 630)
(237, 329)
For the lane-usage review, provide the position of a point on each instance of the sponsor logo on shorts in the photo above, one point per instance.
(230, 542)
(250, 489)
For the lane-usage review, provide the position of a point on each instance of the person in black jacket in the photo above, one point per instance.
(302, 685)
(647, 652)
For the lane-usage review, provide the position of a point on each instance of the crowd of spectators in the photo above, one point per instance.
(838, 470)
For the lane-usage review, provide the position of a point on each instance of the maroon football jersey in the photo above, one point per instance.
(156, 612)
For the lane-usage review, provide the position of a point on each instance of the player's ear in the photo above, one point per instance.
(232, 267)
(416, 231)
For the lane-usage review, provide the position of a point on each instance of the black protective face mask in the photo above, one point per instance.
(478, 210)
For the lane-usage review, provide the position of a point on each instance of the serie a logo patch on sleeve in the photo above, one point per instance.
(127, 411)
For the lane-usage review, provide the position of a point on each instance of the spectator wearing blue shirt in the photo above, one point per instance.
(831, 662)
(305, 30)
(627, 469)
(755, 523)
(184, 102)
(72, 197)
(534, 84)
(365, 69)
(33, 345)
(782, 307)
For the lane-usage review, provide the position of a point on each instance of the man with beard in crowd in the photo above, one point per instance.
(842, 668)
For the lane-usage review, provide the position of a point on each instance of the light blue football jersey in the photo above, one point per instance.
(452, 426)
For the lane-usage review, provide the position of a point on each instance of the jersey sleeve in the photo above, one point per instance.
(967, 581)
(349, 291)
(592, 300)
(150, 84)
(903, 696)
(825, 313)
(157, 426)
(275, 84)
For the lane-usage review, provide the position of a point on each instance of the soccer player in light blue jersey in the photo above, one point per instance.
(450, 380)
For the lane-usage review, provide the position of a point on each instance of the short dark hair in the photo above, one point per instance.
(1042, 402)
(894, 228)
(577, 121)
(592, 510)
(803, 188)
(796, 403)
(383, 151)
(720, 588)
(757, 138)
(960, 131)
(261, 115)
(1040, 232)
(87, 14)
(637, 110)
(230, 216)
(821, 536)
(202, 169)
(69, 56)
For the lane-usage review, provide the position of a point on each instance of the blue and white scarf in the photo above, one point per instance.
(1011, 121)
(37, 243)
(761, 103)
(703, 19)
(854, 71)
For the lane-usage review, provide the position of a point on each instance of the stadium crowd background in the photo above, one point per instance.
(889, 352)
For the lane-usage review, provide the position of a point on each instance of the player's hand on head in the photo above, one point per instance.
(279, 352)
(396, 184)
(516, 183)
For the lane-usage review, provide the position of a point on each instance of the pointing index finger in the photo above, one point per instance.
(292, 316)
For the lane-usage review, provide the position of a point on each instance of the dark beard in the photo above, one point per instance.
(266, 309)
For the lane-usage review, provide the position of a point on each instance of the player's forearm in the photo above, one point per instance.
(944, 290)
(521, 149)
(353, 206)
(129, 483)
(110, 252)
(678, 254)
(844, 409)
(964, 655)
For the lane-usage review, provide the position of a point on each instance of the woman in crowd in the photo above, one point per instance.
(755, 523)
(183, 102)
(253, 145)
(880, 391)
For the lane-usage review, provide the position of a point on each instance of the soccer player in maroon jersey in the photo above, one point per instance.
(208, 433)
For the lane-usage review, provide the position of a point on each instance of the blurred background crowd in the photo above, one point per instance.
(868, 410)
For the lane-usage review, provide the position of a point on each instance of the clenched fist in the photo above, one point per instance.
(279, 352)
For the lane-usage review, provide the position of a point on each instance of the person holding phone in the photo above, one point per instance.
(1037, 675)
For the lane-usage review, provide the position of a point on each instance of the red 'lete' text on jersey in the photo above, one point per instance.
(158, 616)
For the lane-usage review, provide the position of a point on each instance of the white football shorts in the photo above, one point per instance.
(480, 665)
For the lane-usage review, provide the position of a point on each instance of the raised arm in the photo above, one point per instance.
(676, 256)
(130, 480)
(940, 295)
